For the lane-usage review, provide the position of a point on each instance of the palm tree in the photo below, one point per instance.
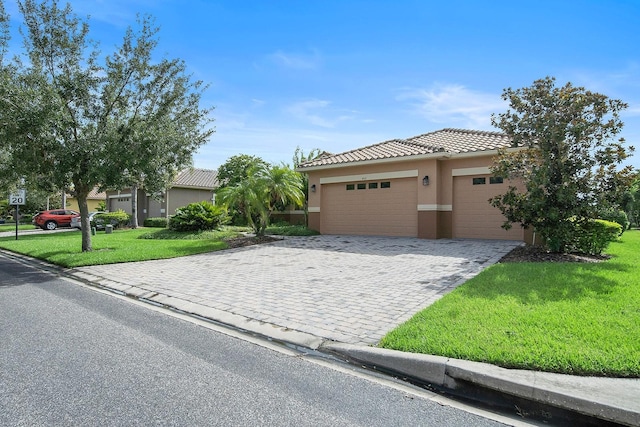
(265, 188)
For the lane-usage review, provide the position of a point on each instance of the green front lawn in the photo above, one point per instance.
(12, 227)
(573, 318)
(142, 244)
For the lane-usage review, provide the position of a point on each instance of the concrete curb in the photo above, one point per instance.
(566, 392)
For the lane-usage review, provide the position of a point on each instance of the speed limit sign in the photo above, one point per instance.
(18, 198)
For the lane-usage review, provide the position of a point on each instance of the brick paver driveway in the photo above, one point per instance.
(350, 289)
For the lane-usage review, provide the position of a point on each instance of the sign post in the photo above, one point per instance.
(18, 198)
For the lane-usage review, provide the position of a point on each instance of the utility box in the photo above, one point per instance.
(108, 229)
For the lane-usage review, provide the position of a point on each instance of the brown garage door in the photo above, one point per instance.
(473, 216)
(376, 208)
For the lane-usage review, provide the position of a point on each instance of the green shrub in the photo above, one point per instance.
(119, 219)
(159, 222)
(198, 217)
(102, 206)
(593, 236)
(616, 216)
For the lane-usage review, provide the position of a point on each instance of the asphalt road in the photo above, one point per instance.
(70, 355)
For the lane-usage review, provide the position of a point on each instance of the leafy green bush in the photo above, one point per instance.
(198, 216)
(119, 219)
(616, 216)
(158, 222)
(593, 236)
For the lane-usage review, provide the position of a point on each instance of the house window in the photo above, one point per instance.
(479, 181)
(385, 184)
(495, 180)
(373, 185)
(351, 187)
(362, 186)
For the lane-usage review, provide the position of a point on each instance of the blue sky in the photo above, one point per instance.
(341, 74)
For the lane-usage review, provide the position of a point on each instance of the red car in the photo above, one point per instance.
(50, 220)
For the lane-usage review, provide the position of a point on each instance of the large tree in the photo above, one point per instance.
(82, 121)
(566, 157)
(236, 169)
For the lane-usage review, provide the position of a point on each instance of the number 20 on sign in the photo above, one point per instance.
(17, 198)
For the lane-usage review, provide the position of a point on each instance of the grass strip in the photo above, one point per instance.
(65, 248)
(572, 318)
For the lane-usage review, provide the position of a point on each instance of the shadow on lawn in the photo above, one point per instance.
(534, 283)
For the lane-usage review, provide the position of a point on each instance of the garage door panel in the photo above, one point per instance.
(123, 203)
(370, 211)
(473, 215)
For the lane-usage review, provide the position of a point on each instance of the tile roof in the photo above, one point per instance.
(446, 141)
(196, 178)
(93, 195)
(96, 195)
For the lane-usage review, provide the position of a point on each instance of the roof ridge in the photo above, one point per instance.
(365, 147)
(457, 141)
(473, 132)
(435, 148)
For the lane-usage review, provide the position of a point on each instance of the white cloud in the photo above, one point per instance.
(454, 105)
(309, 111)
(295, 60)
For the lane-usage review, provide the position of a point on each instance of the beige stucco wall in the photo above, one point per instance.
(433, 211)
(425, 195)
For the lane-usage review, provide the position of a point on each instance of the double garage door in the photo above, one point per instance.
(376, 208)
(389, 208)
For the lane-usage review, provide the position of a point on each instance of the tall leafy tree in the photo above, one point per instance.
(567, 158)
(264, 188)
(236, 169)
(632, 201)
(86, 123)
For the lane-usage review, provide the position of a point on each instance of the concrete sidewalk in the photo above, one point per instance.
(341, 294)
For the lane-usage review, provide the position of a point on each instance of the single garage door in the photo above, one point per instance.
(375, 208)
(473, 216)
(122, 202)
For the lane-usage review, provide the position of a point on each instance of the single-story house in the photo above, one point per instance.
(94, 198)
(190, 186)
(431, 186)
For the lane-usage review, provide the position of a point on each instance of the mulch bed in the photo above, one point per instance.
(530, 253)
(240, 242)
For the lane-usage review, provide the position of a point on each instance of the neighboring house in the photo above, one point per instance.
(190, 186)
(432, 186)
(93, 201)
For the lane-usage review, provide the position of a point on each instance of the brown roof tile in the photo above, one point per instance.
(453, 141)
(197, 178)
(97, 195)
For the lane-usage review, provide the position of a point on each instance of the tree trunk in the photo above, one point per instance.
(134, 206)
(82, 191)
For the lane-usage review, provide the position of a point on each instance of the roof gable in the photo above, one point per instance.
(196, 178)
(449, 141)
